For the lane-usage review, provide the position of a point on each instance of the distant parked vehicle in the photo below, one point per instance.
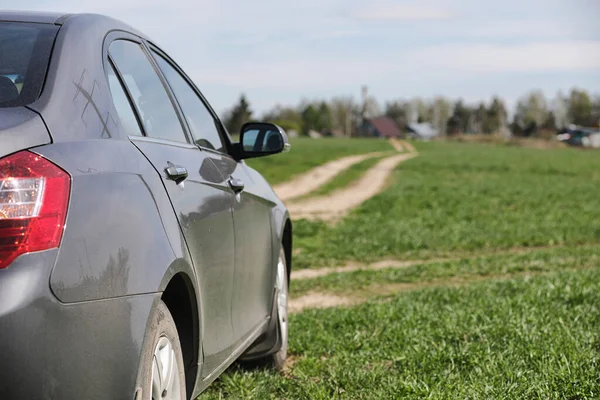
(581, 137)
(139, 255)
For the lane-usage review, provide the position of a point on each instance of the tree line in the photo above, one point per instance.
(534, 114)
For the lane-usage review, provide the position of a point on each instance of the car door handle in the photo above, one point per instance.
(236, 185)
(176, 173)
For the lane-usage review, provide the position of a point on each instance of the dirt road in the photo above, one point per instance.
(317, 177)
(338, 203)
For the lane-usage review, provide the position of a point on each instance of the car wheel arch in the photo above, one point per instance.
(180, 298)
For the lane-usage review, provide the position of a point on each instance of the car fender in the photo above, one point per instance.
(122, 237)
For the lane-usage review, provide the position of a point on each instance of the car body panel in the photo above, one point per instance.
(202, 206)
(122, 236)
(119, 234)
(76, 84)
(52, 350)
(21, 128)
(255, 264)
(29, 16)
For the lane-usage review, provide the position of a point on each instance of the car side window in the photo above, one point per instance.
(156, 110)
(124, 109)
(202, 124)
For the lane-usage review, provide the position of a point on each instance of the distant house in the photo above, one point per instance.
(423, 131)
(382, 127)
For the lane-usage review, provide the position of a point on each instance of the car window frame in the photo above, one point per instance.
(111, 64)
(117, 35)
(156, 55)
(223, 134)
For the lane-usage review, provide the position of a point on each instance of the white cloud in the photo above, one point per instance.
(293, 73)
(403, 12)
(450, 61)
(335, 33)
(549, 56)
(502, 29)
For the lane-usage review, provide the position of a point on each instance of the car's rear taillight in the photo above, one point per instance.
(34, 194)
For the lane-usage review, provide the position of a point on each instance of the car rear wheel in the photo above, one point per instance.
(161, 375)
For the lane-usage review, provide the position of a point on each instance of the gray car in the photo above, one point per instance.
(139, 255)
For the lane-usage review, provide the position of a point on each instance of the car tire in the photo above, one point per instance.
(161, 374)
(277, 359)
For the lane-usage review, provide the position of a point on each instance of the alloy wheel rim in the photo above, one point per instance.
(282, 302)
(165, 372)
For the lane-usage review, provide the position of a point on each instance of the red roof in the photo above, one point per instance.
(386, 127)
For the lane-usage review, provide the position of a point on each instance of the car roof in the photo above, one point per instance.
(33, 16)
(42, 17)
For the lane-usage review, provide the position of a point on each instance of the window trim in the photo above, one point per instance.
(114, 36)
(111, 64)
(221, 131)
(166, 142)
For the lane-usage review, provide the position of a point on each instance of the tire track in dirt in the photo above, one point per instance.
(327, 300)
(318, 300)
(353, 266)
(338, 203)
(408, 146)
(318, 176)
(398, 145)
(312, 273)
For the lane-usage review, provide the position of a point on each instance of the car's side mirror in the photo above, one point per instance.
(260, 139)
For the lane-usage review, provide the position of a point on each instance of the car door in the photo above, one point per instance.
(255, 255)
(254, 276)
(199, 195)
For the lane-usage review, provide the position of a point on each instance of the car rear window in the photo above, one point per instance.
(25, 50)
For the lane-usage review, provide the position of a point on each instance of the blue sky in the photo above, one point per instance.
(285, 51)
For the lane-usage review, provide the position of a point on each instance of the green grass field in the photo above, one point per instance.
(507, 339)
(502, 300)
(465, 197)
